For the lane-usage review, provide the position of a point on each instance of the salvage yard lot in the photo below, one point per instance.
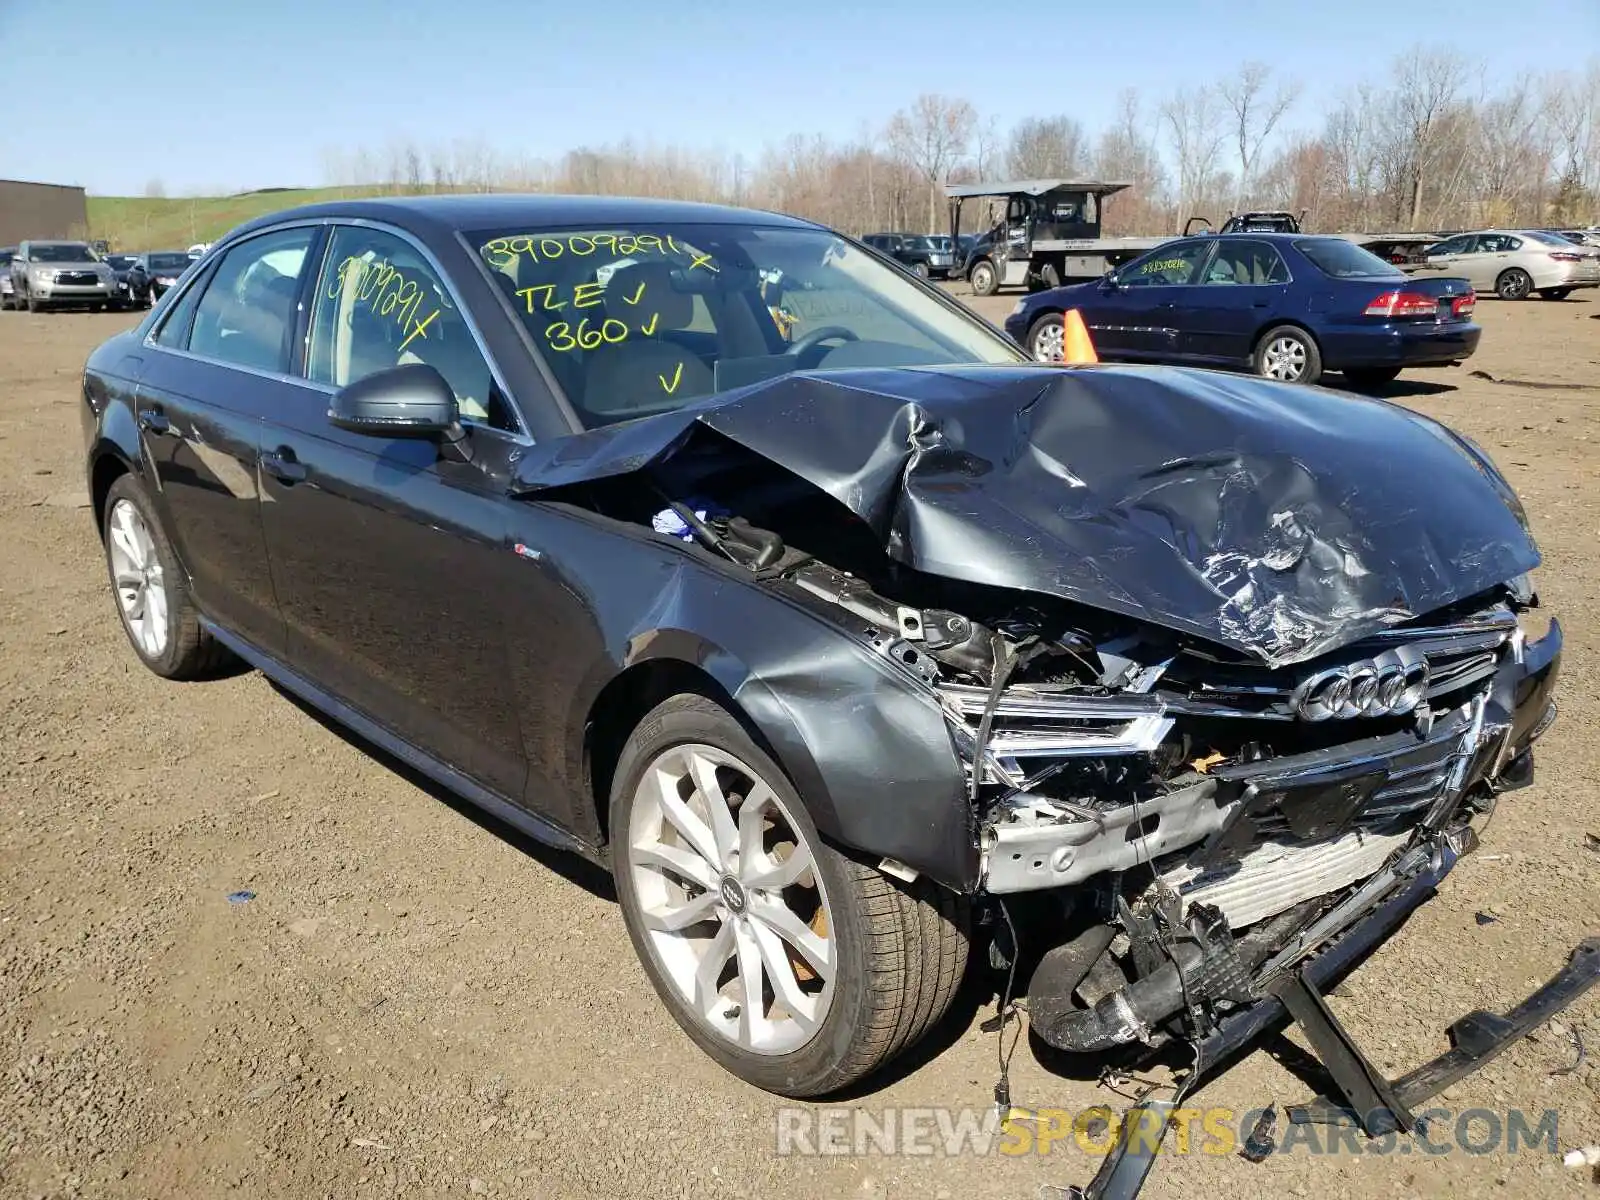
(416, 1002)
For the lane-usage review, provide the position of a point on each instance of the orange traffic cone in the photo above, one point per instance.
(1076, 347)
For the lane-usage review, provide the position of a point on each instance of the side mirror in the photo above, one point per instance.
(1109, 282)
(410, 401)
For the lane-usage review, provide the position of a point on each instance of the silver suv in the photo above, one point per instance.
(49, 273)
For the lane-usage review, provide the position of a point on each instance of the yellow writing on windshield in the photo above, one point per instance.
(504, 252)
(386, 291)
(1166, 264)
(563, 335)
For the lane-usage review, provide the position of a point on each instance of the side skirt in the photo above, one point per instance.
(448, 777)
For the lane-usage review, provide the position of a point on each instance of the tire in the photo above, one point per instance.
(1555, 293)
(1049, 276)
(1371, 377)
(922, 270)
(34, 306)
(1513, 284)
(1045, 338)
(1288, 354)
(985, 279)
(174, 646)
(896, 952)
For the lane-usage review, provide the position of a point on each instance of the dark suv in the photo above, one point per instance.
(917, 251)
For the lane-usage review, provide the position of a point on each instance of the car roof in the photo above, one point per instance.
(506, 210)
(1268, 235)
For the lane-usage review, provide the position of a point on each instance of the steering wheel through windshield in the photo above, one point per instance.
(811, 343)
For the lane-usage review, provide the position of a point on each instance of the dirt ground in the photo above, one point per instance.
(416, 1002)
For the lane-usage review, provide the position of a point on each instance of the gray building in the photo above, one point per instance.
(41, 210)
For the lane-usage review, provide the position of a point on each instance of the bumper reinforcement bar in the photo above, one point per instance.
(1376, 1104)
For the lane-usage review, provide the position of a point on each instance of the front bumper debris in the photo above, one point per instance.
(1369, 827)
(1371, 1101)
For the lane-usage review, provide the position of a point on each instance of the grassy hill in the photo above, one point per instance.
(132, 223)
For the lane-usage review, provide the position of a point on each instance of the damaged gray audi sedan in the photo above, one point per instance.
(713, 546)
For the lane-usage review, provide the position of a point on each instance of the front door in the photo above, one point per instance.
(389, 556)
(1136, 316)
(222, 360)
(1454, 255)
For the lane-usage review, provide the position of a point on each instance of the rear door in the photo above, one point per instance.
(1493, 254)
(216, 362)
(1241, 288)
(389, 557)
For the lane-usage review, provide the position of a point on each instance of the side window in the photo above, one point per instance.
(246, 315)
(1247, 263)
(174, 330)
(379, 304)
(1455, 245)
(1165, 266)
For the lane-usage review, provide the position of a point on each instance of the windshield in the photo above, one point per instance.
(639, 321)
(941, 243)
(1345, 260)
(61, 252)
(169, 262)
(921, 243)
(5, 256)
(121, 261)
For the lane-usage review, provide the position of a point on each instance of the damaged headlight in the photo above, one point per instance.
(1034, 722)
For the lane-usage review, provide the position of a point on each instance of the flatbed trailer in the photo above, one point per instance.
(1049, 234)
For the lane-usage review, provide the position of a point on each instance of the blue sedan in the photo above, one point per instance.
(1286, 306)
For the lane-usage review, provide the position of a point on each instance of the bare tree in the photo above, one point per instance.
(1512, 154)
(155, 189)
(986, 148)
(1428, 85)
(1046, 148)
(1193, 120)
(932, 137)
(1571, 115)
(1126, 153)
(1255, 112)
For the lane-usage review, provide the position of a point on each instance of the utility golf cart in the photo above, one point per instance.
(1048, 235)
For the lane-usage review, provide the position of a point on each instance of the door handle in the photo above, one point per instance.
(283, 466)
(153, 420)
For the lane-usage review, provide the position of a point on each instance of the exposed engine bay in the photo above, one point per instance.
(1172, 815)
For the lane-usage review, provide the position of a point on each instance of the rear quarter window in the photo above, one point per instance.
(1339, 259)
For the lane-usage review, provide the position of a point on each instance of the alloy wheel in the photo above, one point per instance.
(1049, 342)
(1284, 359)
(734, 909)
(140, 583)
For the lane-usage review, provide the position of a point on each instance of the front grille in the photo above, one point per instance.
(77, 278)
(1273, 868)
(1416, 774)
(1460, 655)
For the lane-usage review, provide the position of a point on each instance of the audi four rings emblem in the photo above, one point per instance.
(1392, 682)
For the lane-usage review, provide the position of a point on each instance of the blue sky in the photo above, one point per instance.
(212, 95)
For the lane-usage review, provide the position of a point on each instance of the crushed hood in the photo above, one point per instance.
(1282, 521)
